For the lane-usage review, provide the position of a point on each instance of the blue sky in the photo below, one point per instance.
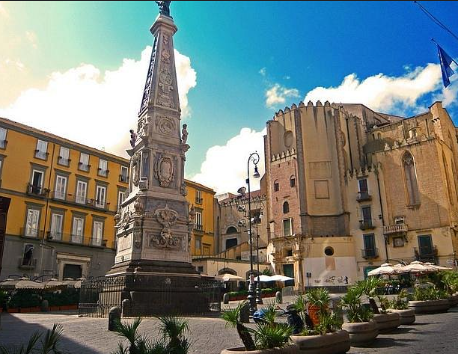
(242, 53)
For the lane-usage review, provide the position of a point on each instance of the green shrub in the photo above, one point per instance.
(400, 302)
(24, 298)
(356, 312)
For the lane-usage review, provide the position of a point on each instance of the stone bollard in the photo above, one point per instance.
(226, 298)
(278, 297)
(44, 306)
(245, 313)
(114, 316)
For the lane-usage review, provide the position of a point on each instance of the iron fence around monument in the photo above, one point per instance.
(99, 295)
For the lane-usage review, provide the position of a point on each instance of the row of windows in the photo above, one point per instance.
(80, 197)
(56, 227)
(292, 183)
(41, 152)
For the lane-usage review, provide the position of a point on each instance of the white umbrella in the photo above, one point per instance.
(9, 283)
(417, 267)
(436, 267)
(384, 269)
(25, 283)
(263, 278)
(280, 278)
(54, 283)
(229, 277)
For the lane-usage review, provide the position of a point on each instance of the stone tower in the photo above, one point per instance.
(153, 227)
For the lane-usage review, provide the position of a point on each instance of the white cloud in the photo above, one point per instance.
(277, 94)
(225, 167)
(95, 108)
(381, 92)
(263, 71)
(3, 11)
(32, 38)
(10, 65)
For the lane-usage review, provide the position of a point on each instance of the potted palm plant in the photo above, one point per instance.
(269, 336)
(428, 299)
(400, 305)
(386, 322)
(327, 336)
(361, 329)
(450, 283)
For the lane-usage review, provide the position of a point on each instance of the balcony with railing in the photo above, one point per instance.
(63, 161)
(84, 167)
(123, 178)
(426, 254)
(76, 239)
(198, 227)
(27, 264)
(363, 197)
(366, 224)
(102, 172)
(395, 229)
(40, 154)
(199, 200)
(58, 195)
(35, 190)
(369, 253)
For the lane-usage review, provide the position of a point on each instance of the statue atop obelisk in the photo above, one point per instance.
(153, 227)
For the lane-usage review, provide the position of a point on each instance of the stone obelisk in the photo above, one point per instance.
(153, 227)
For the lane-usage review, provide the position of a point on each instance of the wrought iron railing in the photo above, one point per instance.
(368, 253)
(395, 229)
(363, 197)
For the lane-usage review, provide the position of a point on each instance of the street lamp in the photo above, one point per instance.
(258, 284)
(254, 157)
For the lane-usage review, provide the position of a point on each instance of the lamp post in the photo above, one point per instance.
(258, 286)
(254, 157)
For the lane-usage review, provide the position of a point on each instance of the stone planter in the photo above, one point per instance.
(330, 343)
(453, 300)
(290, 349)
(430, 306)
(361, 333)
(387, 322)
(407, 316)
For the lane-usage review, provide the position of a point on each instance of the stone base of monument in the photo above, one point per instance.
(161, 288)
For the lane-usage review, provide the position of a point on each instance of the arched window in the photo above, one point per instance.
(231, 230)
(410, 176)
(285, 208)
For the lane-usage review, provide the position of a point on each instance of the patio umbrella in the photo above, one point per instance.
(25, 283)
(229, 277)
(280, 278)
(417, 267)
(9, 284)
(436, 267)
(384, 269)
(54, 283)
(263, 278)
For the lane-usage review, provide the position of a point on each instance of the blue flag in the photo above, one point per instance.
(445, 61)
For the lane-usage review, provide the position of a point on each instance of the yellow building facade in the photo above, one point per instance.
(202, 199)
(64, 196)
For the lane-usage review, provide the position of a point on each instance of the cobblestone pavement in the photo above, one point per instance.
(431, 334)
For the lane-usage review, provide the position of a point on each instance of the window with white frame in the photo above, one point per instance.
(84, 162)
(100, 196)
(64, 156)
(287, 227)
(57, 221)
(36, 184)
(198, 225)
(78, 229)
(199, 196)
(124, 174)
(81, 191)
(103, 168)
(97, 233)
(3, 132)
(61, 187)
(32, 223)
(121, 198)
(41, 152)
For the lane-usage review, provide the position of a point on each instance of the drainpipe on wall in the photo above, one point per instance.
(381, 213)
